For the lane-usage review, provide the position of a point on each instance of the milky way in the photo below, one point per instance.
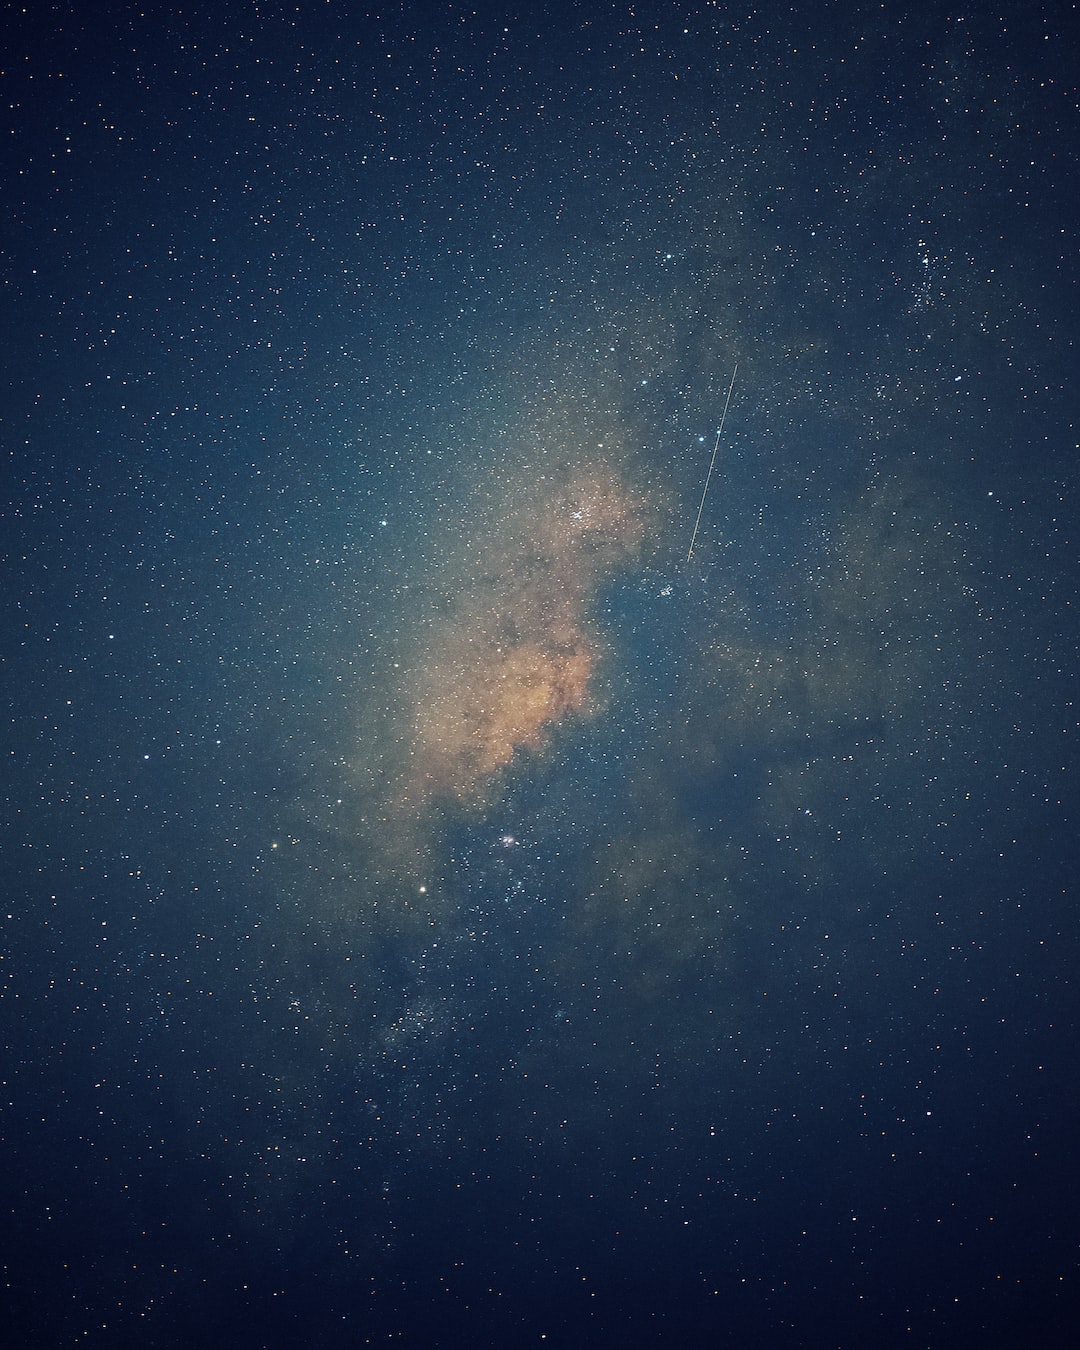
(516, 652)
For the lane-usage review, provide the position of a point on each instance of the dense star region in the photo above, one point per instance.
(514, 655)
(540, 631)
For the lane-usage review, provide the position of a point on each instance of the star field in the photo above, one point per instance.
(437, 910)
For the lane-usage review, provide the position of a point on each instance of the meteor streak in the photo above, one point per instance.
(712, 462)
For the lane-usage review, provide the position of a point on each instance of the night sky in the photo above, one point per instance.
(437, 910)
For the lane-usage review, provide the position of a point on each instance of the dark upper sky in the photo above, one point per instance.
(437, 911)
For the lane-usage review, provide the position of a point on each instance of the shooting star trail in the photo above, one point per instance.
(712, 463)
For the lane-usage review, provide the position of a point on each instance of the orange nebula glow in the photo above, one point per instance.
(514, 656)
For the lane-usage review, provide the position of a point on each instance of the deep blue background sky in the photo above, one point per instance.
(435, 911)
